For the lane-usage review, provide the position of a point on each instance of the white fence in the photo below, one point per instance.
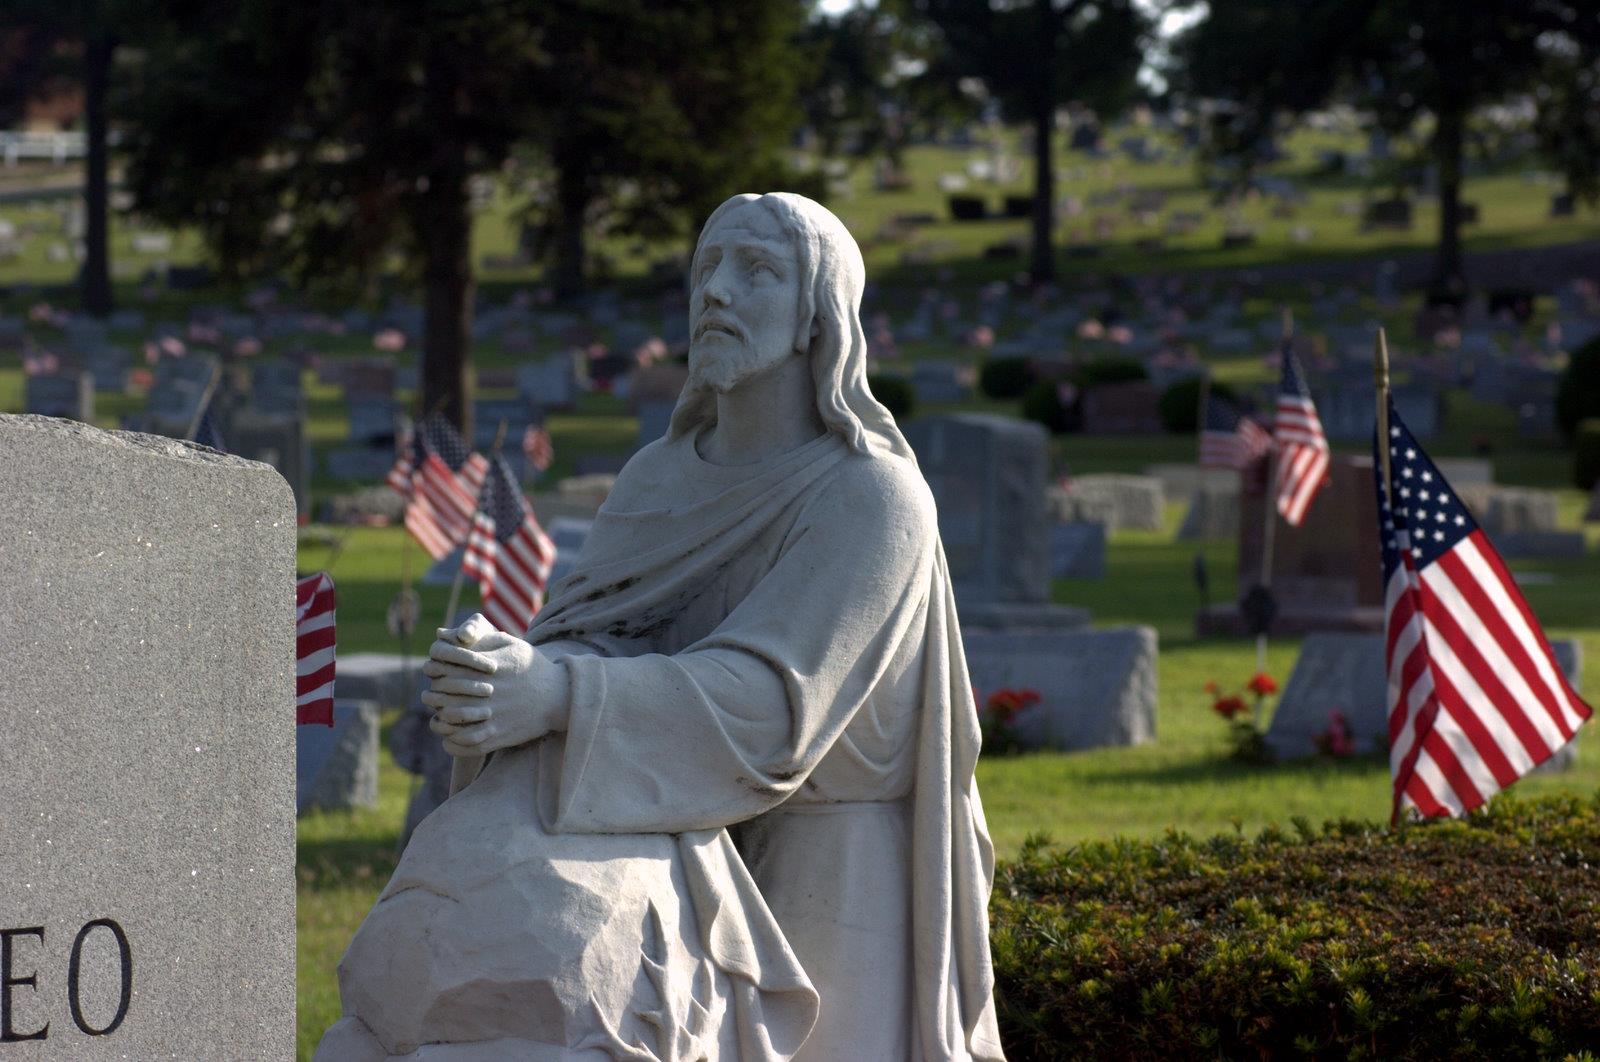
(52, 147)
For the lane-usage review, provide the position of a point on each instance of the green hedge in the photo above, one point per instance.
(895, 393)
(1473, 939)
(1005, 377)
(1179, 407)
(1578, 389)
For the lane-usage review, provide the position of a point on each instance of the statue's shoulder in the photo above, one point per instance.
(877, 487)
(647, 467)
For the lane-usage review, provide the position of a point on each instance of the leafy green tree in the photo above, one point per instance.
(1568, 119)
(1034, 56)
(1403, 60)
(656, 112)
(330, 141)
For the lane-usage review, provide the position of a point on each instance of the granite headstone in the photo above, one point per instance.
(147, 849)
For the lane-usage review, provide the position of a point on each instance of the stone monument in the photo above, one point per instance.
(713, 806)
(1325, 573)
(147, 847)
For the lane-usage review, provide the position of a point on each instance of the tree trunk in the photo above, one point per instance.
(1448, 273)
(572, 208)
(96, 275)
(1043, 267)
(444, 232)
(445, 228)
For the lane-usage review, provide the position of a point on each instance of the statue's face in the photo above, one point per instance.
(745, 303)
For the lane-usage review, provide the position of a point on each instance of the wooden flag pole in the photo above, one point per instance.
(1269, 510)
(1380, 368)
(461, 569)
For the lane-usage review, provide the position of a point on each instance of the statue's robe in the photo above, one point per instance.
(773, 648)
(767, 653)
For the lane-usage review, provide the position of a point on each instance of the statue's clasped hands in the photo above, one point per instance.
(490, 690)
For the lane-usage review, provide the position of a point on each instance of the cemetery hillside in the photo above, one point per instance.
(1247, 353)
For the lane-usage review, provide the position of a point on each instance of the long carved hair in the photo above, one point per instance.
(832, 276)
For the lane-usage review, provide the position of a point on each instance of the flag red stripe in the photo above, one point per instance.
(308, 683)
(1444, 758)
(1576, 704)
(309, 642)
(1496, 633)
(1497, 702)
(1477, 733)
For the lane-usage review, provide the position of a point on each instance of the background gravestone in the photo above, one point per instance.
(337, 767)
(1325, 573)
(64, 394)
(149, 785)
(987, 474)
(1345, 672)
(1096, 687)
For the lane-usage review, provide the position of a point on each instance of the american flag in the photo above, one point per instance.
(1476, 698)
(1302, 448)
(438, 506)
(1229, 439)
(468, 465)
(313, 630)
(508, 553)
(536, 447)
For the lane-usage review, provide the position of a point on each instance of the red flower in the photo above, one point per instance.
(1005, 704)
(1230, 706)
(1336, 741)
(1212, 687)
(1261, 684)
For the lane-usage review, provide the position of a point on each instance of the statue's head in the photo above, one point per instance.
(777, 276)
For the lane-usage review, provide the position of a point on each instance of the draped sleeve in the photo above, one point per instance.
(731, 725)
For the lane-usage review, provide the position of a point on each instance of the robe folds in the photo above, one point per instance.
(773, 649)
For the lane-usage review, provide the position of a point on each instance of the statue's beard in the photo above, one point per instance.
(725, 369)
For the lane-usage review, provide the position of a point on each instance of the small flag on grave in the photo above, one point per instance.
(438, 506)
(508, 553)
(468, 465)
(314, 643)
(537, 448)
(1476, 697)
(1228, 439)
(1303, 454)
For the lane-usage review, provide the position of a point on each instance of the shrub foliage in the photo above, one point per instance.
(1578, 389)
(1180, 404)
(895, 393)
(1005, 377)
(1472, 939)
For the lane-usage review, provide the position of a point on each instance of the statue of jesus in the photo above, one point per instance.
(724, 785)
